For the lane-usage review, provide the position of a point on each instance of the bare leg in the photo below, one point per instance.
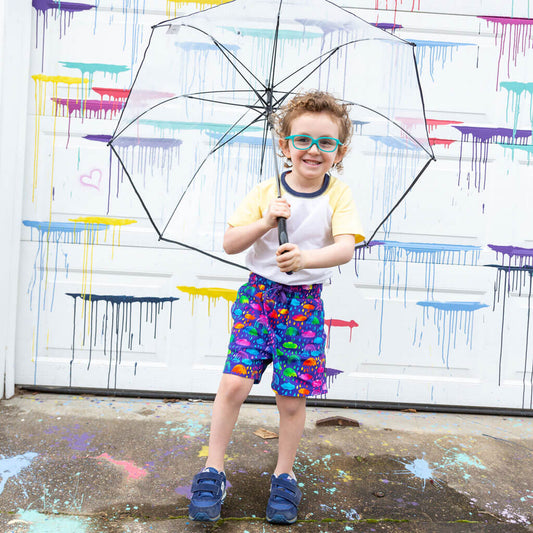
(232, 392)
(291, 427)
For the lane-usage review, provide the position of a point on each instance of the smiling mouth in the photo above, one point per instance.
(312, 162)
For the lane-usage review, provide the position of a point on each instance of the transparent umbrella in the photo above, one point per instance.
(195, 134)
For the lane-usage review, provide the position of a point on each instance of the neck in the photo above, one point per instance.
(303, 185)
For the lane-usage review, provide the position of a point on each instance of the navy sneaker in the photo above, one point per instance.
(285, 496)
(208, 492)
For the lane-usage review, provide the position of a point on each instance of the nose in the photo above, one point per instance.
(314, 148)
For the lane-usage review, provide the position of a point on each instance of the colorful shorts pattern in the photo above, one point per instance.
(283, 325)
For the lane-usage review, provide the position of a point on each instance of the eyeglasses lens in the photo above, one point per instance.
(304, 142)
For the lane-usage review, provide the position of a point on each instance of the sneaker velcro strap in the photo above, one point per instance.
(215, 488)
(286, 490)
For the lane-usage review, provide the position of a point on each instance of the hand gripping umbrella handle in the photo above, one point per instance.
(283, 238)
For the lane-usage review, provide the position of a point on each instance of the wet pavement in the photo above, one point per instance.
(85, 464)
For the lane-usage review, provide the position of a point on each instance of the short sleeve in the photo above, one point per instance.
(345, 218)
(248, 211)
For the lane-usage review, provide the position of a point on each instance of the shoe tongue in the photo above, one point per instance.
(210, 469)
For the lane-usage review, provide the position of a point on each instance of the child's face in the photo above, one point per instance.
(312, 164)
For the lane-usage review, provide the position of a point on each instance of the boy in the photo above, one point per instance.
(279, 318)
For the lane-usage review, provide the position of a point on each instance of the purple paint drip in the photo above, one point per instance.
(517, 255)
(387, 26)
(65, 10)
(481, 137)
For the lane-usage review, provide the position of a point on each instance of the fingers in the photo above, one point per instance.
(278, 208)
(289, 258)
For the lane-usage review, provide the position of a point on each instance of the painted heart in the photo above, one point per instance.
(92, 179)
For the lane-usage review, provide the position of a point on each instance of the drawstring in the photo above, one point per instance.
(276, 294)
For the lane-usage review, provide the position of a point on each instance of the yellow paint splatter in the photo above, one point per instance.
(91, 238)
(174, 5)
(344, 475)
(211, 293)
(204, 452)
(41, 85)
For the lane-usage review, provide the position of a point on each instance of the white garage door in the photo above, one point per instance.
(436, 311)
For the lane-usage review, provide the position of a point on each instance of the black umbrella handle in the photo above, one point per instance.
(282, 234)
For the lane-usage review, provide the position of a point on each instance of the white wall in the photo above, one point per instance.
(14, 52)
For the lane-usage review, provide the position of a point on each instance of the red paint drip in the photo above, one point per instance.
(413, 2)
(433, 123)
(116, 94)
(441, 142)
(338, 323)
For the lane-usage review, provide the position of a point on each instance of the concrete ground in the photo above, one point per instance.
(100, 464)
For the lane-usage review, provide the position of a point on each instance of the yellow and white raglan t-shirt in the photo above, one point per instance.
(315, 219)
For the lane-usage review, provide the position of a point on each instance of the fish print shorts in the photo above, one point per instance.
(283, 325)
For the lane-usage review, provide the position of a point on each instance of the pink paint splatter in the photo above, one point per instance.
(134, 472)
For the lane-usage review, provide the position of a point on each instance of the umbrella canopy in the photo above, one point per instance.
(193, 137)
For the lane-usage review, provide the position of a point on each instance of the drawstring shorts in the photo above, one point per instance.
(283, 325)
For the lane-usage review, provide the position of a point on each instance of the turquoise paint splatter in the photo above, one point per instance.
(515, 91)
(51, 523)
(88, 70)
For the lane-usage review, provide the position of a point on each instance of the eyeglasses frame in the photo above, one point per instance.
(314, 142)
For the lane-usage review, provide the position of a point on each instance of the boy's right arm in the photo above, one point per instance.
(239, 238)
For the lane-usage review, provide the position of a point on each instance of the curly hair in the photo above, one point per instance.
(315, 102)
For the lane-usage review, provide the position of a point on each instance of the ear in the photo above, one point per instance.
(339, 156)
(284, 146)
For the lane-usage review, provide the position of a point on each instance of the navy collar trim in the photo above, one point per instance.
(320, 191)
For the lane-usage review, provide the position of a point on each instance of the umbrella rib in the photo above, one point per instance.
(133, 84)
(402, 197)
(212, 256)
(135, 190)
(233, 60)
(231, 104)
(430, 154)
(219, 146)
(263, 146)
(115, 135)
(329, 54)
(211, 152)
(274, 49)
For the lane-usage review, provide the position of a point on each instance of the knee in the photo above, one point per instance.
(234, 389)
(290, 407)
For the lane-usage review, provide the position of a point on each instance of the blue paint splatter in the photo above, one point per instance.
(435, 51)
(449, 317)
(13, 466)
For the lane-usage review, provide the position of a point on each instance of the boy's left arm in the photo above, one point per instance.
(291, 258)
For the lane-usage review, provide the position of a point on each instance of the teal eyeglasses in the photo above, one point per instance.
(304, 142)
